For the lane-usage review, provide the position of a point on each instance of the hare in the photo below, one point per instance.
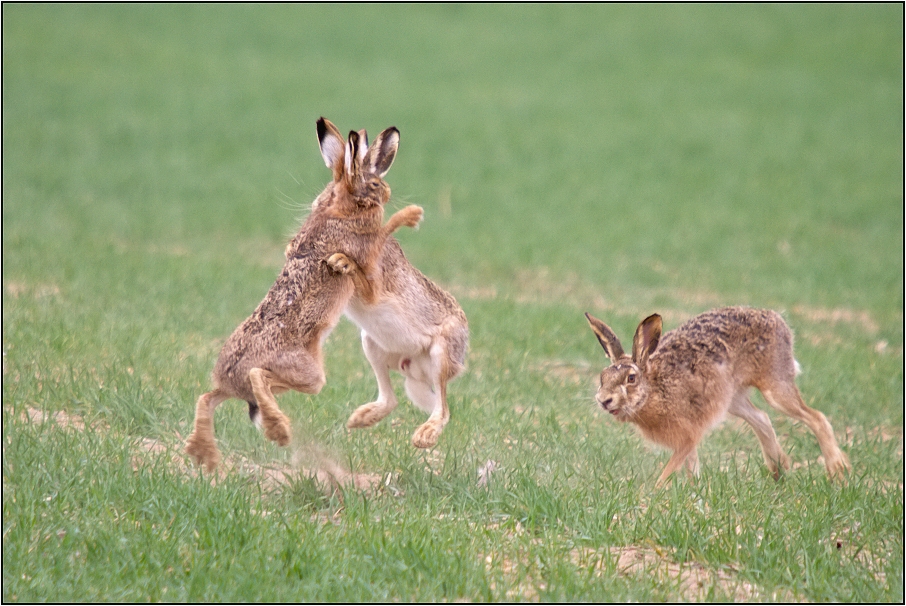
(415, 328)
(278, 347)
(410, 325)
(677, 387)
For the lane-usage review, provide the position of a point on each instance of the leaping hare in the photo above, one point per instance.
(412, 326)
(278, 347)
(677, 386)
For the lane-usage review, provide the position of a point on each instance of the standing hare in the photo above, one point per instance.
(677, 387)
(278, 347)
(410, 325)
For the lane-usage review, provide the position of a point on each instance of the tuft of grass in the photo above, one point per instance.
(620, 160)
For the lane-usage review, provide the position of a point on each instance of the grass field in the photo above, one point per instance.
(620, 160)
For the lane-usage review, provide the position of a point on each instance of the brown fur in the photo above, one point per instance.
(412, 326)
(278, 347)
(676, 387)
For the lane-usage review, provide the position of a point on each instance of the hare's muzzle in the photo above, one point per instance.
(606, 403)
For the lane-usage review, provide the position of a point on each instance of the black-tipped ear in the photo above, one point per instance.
(382, 152)
(332, 148)
(606, 338)
(352, 155)
(646, 338)
(363, 146)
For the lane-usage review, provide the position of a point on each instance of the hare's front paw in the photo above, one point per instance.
(367, 415)
(426, 436)
(412, 215)
(341, 264)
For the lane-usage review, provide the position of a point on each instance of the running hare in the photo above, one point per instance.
(278, 347)
(410, 325)
(677, 387)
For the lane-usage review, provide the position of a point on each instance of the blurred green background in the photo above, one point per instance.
(742, 149)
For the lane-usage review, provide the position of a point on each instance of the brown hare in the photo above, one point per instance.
(278, 347)
(677, 386)
(409, 325)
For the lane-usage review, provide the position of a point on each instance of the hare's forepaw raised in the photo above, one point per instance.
(412, 215)
(341, 264)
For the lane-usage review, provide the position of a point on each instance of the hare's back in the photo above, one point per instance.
(739, 339)
(418, 297)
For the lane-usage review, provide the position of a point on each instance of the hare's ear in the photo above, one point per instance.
(606, 338)
(331, 142)
(363, 146)
(647, 336)
(352, 155)
(382, 152)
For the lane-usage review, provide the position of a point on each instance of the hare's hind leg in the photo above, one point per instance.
(774, 457)
(432, 398)
(423, 396)
(201, 445)
(381, 362)
(300, 371)
(272, 420)
(785, 397)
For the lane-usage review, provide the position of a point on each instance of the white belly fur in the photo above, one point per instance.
(396, 329)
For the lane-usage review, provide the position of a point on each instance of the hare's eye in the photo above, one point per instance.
(631, 378)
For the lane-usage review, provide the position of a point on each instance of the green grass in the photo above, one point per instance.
(620, 160)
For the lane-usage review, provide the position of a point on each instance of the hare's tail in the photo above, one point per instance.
(254, 413)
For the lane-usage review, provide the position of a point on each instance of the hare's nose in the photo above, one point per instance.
(605, 404)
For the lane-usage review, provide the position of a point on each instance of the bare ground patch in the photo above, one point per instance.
(309, 460)
(35, 291)
(542, 286)
(693, 581)
(856, 317)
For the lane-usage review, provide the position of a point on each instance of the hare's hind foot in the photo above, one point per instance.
(427, 435)
(341, 264)
(201, 445)
(203, 452)
(778, 465)
(368, 415)
(277, 428)
(838, 467)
